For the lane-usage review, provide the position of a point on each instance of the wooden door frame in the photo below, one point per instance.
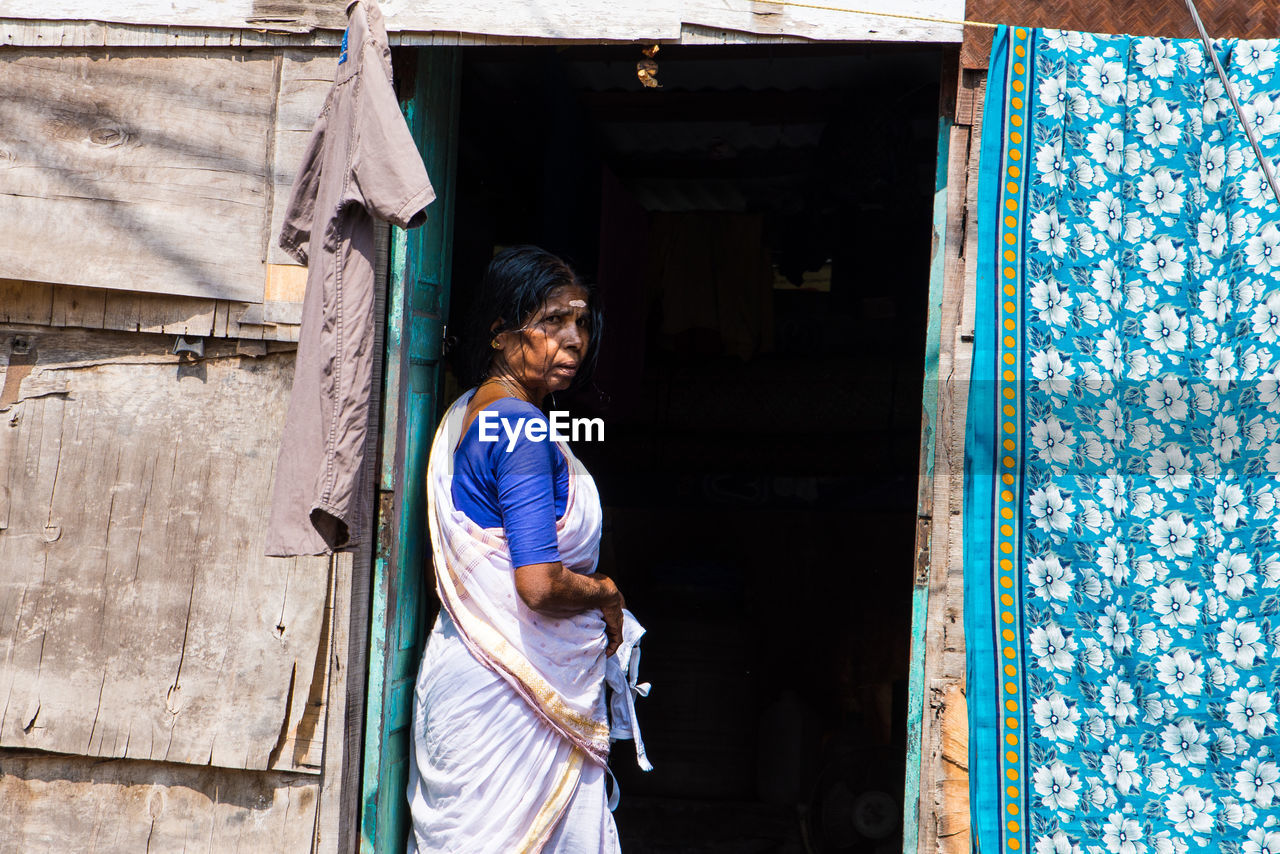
(418, 293)
(938, 769)
(417, 305)
(912, 801)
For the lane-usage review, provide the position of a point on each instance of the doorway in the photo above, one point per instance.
(759, 228)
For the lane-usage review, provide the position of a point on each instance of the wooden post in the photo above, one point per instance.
(944, 808)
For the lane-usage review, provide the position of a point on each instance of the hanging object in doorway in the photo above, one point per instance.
(647, 68)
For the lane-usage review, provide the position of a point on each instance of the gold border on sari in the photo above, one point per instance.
(545, 822)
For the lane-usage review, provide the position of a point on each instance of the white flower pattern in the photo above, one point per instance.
(1150, 409)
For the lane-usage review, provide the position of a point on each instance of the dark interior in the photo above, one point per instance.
(760, 231)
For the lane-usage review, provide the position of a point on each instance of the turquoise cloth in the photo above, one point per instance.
(1122, 561)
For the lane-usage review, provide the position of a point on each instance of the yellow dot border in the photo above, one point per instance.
(1006, 522)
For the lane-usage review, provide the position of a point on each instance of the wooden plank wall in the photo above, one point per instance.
(164, 173)
(159, 677)
(138, 616)
(139, 619)
(944, 773)
(55, 803)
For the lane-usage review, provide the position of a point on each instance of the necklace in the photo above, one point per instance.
(512, 388)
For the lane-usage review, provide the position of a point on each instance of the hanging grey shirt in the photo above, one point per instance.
(361, 162)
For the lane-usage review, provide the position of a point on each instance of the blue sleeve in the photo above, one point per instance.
(526, 478)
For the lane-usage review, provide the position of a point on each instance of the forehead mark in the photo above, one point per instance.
(578, 303)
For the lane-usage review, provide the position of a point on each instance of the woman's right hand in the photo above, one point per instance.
(613, 620)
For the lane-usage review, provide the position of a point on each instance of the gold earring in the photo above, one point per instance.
(495, 345)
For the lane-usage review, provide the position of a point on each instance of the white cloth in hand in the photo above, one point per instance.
(621, 674)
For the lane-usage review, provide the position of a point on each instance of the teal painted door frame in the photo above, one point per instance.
(924, 517)
(417, 306)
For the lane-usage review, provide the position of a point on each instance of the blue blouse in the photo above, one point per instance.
(519, 484)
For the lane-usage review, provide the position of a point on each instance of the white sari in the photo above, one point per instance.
(511, 730)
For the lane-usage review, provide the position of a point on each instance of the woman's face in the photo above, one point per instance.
(545, 354)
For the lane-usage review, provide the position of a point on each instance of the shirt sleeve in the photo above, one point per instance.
(299, 216)
(387, 169)
(526, 496)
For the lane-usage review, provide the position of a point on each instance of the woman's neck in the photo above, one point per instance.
(504, 385)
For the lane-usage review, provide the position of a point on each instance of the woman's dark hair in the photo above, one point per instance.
(515, 286)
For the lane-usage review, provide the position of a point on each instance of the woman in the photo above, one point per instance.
(510, 723)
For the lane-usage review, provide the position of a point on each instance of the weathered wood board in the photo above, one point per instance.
(162, 172)
(620, 21)
(189, 13)
(944, 778)
(301, 15)
(138, 615)
(51, 803)
(598, 20)
(17, 32)
(131, 311)
(138, 171)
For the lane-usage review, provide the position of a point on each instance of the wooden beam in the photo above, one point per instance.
(45, 34)
(297, 15)
(658, 20)
(719, 52)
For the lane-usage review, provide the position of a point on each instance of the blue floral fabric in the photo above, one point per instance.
(1122, 530)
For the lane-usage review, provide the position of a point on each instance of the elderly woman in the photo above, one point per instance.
(510, 726)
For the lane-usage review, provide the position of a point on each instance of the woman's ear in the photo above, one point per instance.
(493, 331)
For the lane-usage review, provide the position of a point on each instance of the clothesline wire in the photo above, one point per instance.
(1231, 93)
